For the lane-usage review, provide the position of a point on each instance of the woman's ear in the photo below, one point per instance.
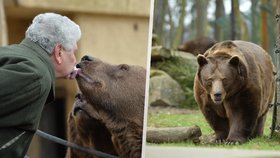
(57, 53)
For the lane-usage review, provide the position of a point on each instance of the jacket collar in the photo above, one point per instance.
(45, 57)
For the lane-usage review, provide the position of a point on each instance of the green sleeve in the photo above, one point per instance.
(20, 87)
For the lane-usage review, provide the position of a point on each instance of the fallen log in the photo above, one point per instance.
(173, 134)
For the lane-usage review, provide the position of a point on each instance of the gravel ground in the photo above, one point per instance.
(187, 152)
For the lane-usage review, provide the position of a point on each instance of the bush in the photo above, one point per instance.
(183, 71)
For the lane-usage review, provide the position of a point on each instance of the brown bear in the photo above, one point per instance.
(233, 87)
(116, 93)
(87, 130)
(197, 46)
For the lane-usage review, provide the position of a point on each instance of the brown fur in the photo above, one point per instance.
(197, 46)
(87, 130)
(234, 86)
(116, 93)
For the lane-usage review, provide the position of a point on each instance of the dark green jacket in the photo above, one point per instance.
(27, 84)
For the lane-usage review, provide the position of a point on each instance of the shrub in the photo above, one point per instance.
(183, 71)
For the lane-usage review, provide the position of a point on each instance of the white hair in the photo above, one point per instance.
(50, 29)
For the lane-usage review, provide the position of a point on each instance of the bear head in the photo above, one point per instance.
(118, 90)
(221, 72)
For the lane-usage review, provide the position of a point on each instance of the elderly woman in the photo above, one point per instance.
(28, 71)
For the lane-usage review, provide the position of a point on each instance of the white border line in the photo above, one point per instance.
(147, 77)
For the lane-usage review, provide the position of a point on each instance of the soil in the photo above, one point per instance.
(173, 110)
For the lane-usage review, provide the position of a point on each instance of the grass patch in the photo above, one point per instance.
(167, 119)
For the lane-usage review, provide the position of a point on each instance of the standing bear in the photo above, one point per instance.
(113, 95)
(233, 87)
(197, 46)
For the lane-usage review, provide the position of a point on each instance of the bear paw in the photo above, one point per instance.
(219, 141)
(232, 143)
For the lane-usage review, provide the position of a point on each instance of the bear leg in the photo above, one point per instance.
(219, 125)
(259, 127)
(242, 126)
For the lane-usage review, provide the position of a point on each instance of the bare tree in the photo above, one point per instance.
(276, 111)
(264, 28)
(158, 22)
(239, 27)
(180, 28)
(219, 14)
(254, 20)
(171, 16)
(201, 17)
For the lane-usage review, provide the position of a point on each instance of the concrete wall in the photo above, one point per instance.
(115, 39)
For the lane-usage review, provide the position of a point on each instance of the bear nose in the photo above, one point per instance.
(87, 58)
(78, 96)
(218, 94)
(78, 66)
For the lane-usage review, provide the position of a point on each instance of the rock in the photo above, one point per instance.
(164, 91)
(159, 53)
(207, 139)
(187, 56)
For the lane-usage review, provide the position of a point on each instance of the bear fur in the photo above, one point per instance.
(117, 94)
(197, 46)
(87, 130)
(233, 87)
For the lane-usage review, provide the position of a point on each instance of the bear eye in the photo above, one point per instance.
(124, 67)
(209, 82)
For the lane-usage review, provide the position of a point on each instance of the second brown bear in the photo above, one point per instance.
(233, 87)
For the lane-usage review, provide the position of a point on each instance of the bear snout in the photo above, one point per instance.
(84, 58)
(87, 58)
(218, 96)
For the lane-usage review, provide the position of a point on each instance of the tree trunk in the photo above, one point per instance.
(239, 27)
(232, 20)
(271, 29)
(277, 54)
(173, 134)
(171, 24)
(264, 29)
(158, 22)
(3, 25)
(180, 29)
(219, 14)
(255, 22)
(201, 18)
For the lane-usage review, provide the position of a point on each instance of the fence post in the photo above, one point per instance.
(276, 111)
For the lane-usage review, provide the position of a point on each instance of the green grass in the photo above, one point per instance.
(166, 119)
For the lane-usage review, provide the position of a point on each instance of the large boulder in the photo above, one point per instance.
(159, 53)
(164, 90)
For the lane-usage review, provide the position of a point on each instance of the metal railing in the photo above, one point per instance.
(73, 145)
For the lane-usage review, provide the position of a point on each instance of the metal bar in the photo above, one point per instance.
(274, 114)
(74, 146)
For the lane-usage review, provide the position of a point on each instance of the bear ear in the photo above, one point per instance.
(201, 60)
(234, 60)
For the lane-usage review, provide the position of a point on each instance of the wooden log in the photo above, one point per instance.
(173, 134)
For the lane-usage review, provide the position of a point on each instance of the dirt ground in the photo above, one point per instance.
(158, 109)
